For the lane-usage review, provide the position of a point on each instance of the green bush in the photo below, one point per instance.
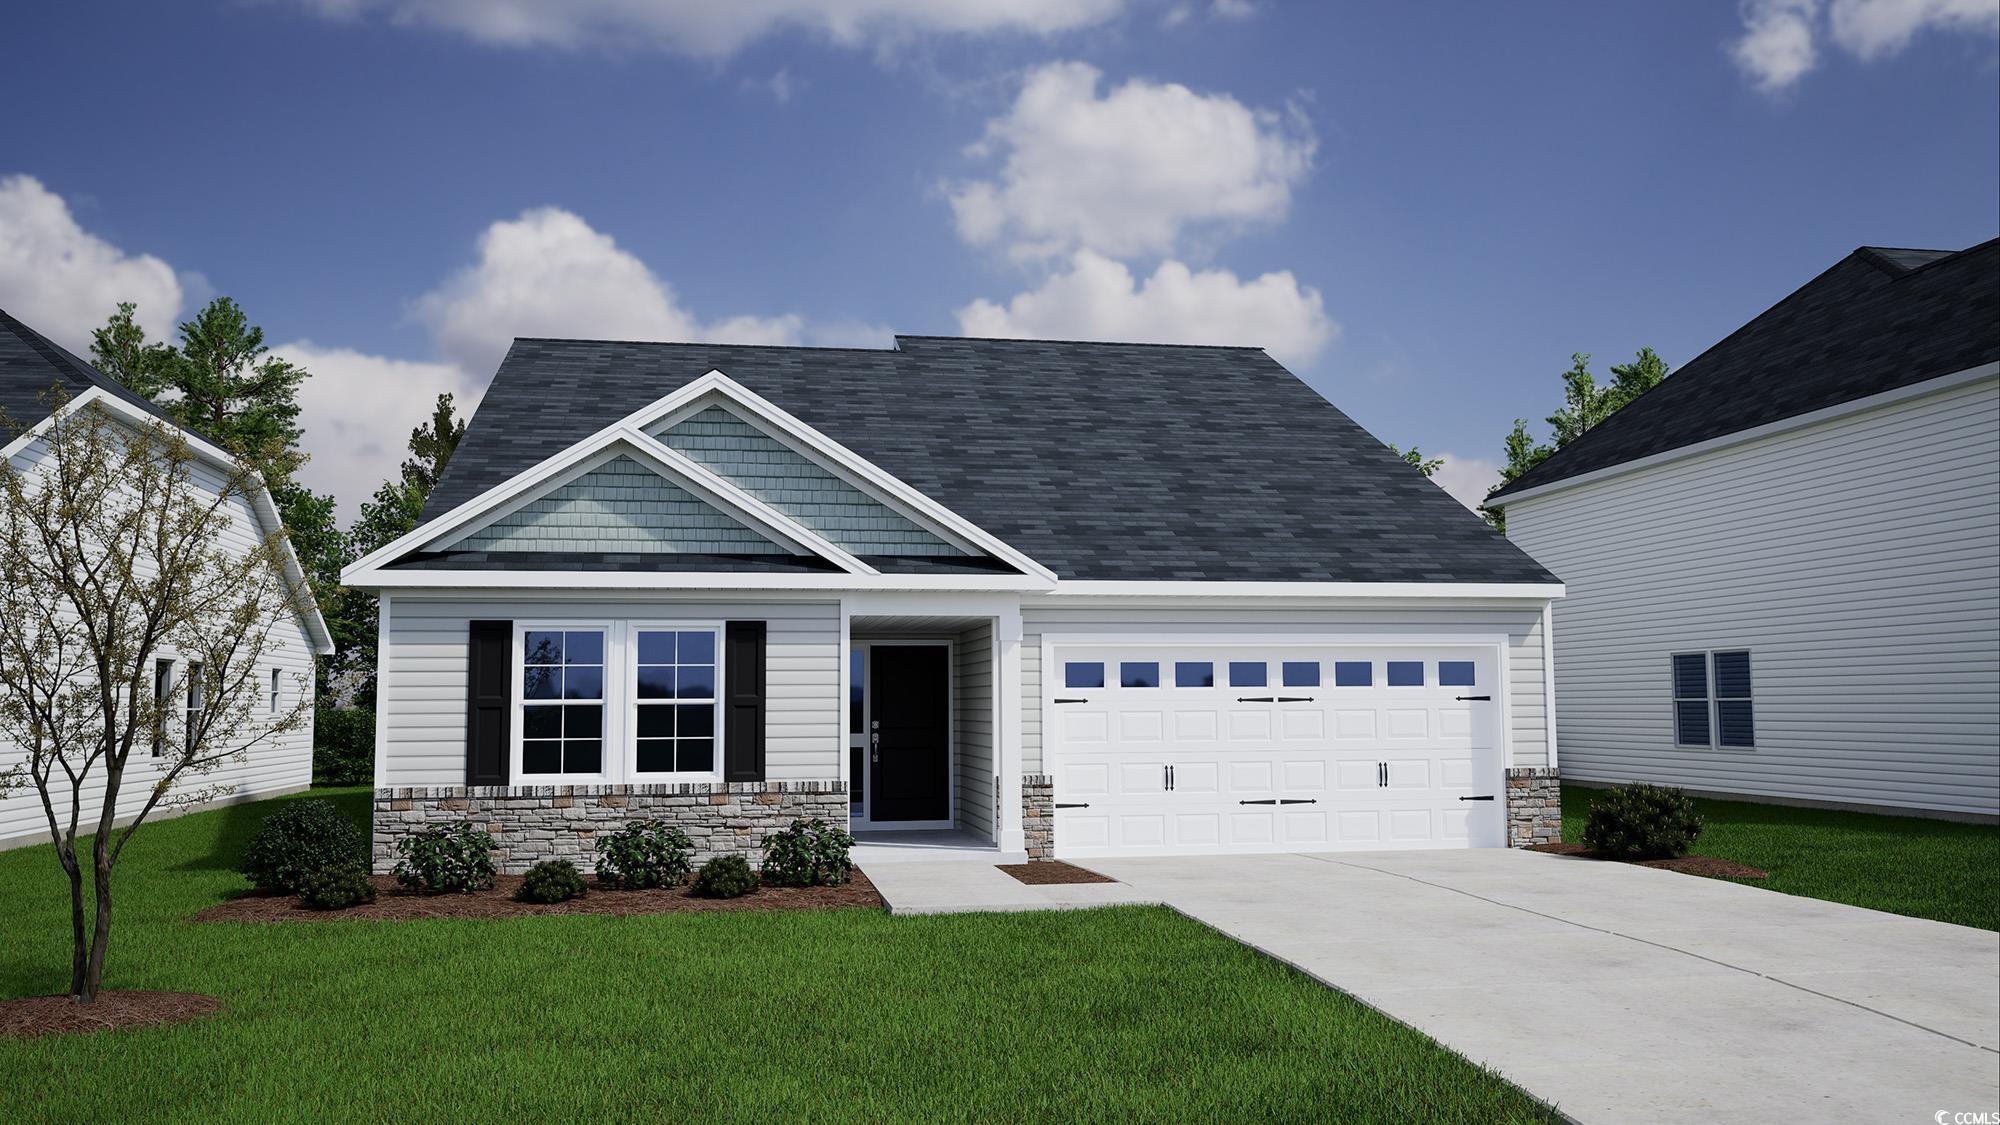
(297, 840)
(552, 880)
(1642, 822)
(809, 853)
(338, 887)
(343, 746)
(725, 876)
(644, 853)
(457, 857)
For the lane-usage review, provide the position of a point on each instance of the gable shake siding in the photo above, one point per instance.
(1854, 558)
(792, 483)
(423, 696)
(1521, 624)
(620, 506)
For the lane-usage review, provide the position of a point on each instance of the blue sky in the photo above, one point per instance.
(1421, 209)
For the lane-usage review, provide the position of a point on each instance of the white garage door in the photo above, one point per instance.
(1182, 748)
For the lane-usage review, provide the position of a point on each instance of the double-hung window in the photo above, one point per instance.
(562, 702)
(195, 702)
(163, 703)
(674, 700)
(1712, 705)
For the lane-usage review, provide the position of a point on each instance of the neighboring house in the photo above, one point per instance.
(30, 367)
(1783, 563)
(1082, 598)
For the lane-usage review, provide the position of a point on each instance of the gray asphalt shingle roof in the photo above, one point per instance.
(31, 365)
(1879, 319)
(1101, 461)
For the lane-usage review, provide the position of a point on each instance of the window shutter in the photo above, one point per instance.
(489, 681)
(743, 730)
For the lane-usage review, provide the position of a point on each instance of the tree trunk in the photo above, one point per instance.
(93, 973)
(79, 942)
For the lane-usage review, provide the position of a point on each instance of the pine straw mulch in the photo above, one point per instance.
(1687, 865)
(30, 1016)
(394, 904)
(1047, 872)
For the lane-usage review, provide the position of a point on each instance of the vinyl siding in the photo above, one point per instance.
(972, 692)
(1520, 622)
(1855, 559)
(423, 694)
(797, 486)
(283, 764)
(620, 506)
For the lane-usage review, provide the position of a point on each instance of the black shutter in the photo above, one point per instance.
(743, 728)
(489, 680)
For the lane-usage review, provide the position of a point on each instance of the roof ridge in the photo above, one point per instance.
(700, 344)
(1087, 343)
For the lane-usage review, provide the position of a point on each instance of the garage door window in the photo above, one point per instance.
(1406, 673)
(1194, 673)
(1083, 674)
(1353, 673)
(1142, 673)
(1455, 673)
(1301, 673)
(1248, 673)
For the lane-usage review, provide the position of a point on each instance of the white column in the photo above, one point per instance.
(1007, 726)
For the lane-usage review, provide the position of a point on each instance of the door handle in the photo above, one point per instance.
(875, 747)
(1478, 698)
(1071, 701)
(1083, 805)
(1483, 797)
(1271, 801)
(1300, 801)
(1382, 774)
(1295, 699)
(1256, 699)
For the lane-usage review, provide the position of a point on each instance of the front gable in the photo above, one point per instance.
(619, 506)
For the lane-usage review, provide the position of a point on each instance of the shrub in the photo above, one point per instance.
(338, 887)
(809, 853)
(1642, 822)
(457, 857)
(552, 880)
(343, 746)
(644, 853)
(725, 876)
(297, 840)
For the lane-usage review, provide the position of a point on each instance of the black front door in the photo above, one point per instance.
(910, 743)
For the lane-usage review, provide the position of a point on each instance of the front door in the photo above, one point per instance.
(909, 711)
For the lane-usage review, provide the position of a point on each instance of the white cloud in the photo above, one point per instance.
(357, 411)
(1780, 37)
(548, 273)
(1468, 479)
(717, 28)
(63, 281)
(1098, 299)
(1129, 172)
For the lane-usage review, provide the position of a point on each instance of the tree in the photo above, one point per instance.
(1585, 405)
(1425, 465)
(113, 556)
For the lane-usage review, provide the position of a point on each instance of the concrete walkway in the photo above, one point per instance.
(1622, 993)
(954, 873)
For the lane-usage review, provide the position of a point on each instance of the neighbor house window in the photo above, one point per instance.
(274, 691)
(562, 701)
(163, 695)
(675, 700)
(195, 702)
(1712, 700)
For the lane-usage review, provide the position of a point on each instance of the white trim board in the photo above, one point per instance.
(1769, 429)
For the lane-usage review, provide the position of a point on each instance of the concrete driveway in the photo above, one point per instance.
(1622, 993)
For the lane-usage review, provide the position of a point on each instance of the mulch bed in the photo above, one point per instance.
(394, 904)
(1051, 871)
(1687, 865)
(30, 1016)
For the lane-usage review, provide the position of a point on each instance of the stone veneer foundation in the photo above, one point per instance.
(1038, 815)
(530, 823)
(1534, 807)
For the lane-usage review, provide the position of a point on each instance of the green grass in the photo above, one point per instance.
(1904, 865)
(1132, 1013)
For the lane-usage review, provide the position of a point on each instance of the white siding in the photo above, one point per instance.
(1854, 558)
(972, 696)
(281, 765)
(423, 694)
(1519, 621)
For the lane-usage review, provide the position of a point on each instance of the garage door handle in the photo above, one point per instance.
(1484, 797)
(1480, 698)
(1300, 801)
(1256, 699)
(1084, 805)
(1268, 801)
(1072, 701)
(1295, 699)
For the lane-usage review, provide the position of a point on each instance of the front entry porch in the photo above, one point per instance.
(922, 769)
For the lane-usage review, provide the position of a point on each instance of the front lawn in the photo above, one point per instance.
(851, 1014)
(1905, 865)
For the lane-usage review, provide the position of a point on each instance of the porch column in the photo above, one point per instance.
(1007, 727)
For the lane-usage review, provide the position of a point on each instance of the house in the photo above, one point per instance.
(31, 366)
(1782, 562)
(1069, 598)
